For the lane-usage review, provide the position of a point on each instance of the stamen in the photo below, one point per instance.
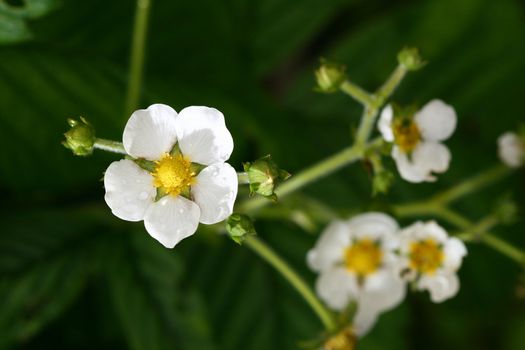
(406, 134)
(363, 257)
(173, 174)
(426, 256)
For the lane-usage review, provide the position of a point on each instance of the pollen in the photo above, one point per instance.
(426, 256)
(173, 174)
(406, 134)
(363, 257)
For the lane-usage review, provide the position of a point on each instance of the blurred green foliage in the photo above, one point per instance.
(74, 276)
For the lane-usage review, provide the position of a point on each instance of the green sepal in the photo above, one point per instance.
(263, 176)
(329, 76)
(410, 58)
(80, 138)
(239, 227)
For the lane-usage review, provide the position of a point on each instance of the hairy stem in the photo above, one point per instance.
(303, 178)
(140, 27)
(109, 146)
(357, 93)
(472, 184)
(265, 252)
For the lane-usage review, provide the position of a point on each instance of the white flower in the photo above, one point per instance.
(431, 258)
(173, 196)
(356, 262)
(417, 150)
(511, 149)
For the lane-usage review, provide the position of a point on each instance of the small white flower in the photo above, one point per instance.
(511, 149)
(431, 258)
(178, 146)
(356, 262)
(417, 150)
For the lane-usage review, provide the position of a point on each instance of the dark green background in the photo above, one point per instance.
(74, 276)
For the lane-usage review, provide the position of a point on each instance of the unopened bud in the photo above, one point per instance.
(330, 76)
(410, 58)
(264, 175)
(240, 227)
(382, 181)
(80, 138)
(344, 340)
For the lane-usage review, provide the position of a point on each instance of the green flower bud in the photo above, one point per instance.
(330, 76)
(80, 138)
(239, 227)
(410, 58)
(381, 182)
(264, 176)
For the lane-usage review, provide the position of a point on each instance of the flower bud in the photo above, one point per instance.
(264, 176)
(506, 211)
(80, 138)
(410, 58)
(330, 76)
(344, 340)
(239, 227)
(382, 181)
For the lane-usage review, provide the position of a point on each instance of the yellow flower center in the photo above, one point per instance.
(426, 256)
(173, 174)
(363, 257)
(406, 134)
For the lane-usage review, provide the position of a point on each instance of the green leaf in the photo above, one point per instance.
(155, 310)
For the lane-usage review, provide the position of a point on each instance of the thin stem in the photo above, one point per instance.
(357, 93)
(109, 146)
(388, 88)
(503, 247)
(140, 27)
(265, 252)
(242, 178)
(366, 126)
(315, 172)
(472, 184)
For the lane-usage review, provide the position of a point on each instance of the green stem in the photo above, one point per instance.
(109, 146)
(242, 178)
(265, 252)
(357, 93)
(472, 184)
(315, 172)
(366, 126)
(503, 247)
(140, 27)
(388, 88)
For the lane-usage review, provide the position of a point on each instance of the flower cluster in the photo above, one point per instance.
(178, 176)
(416, 137)
(368, 260)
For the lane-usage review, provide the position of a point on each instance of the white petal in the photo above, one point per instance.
(454, 251)
(372, 225)
(215, 191)
(336, 287)
(431, 229)
(129, 190)
(407, 169)
(427, 158)
(385, 123)
(364, 320)
(436, 121)
(511, 149)
(329, 249)
(373, 302)
(440, 286)
(171, 219)
(203, 135)
(150, 132)
(431, 157)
